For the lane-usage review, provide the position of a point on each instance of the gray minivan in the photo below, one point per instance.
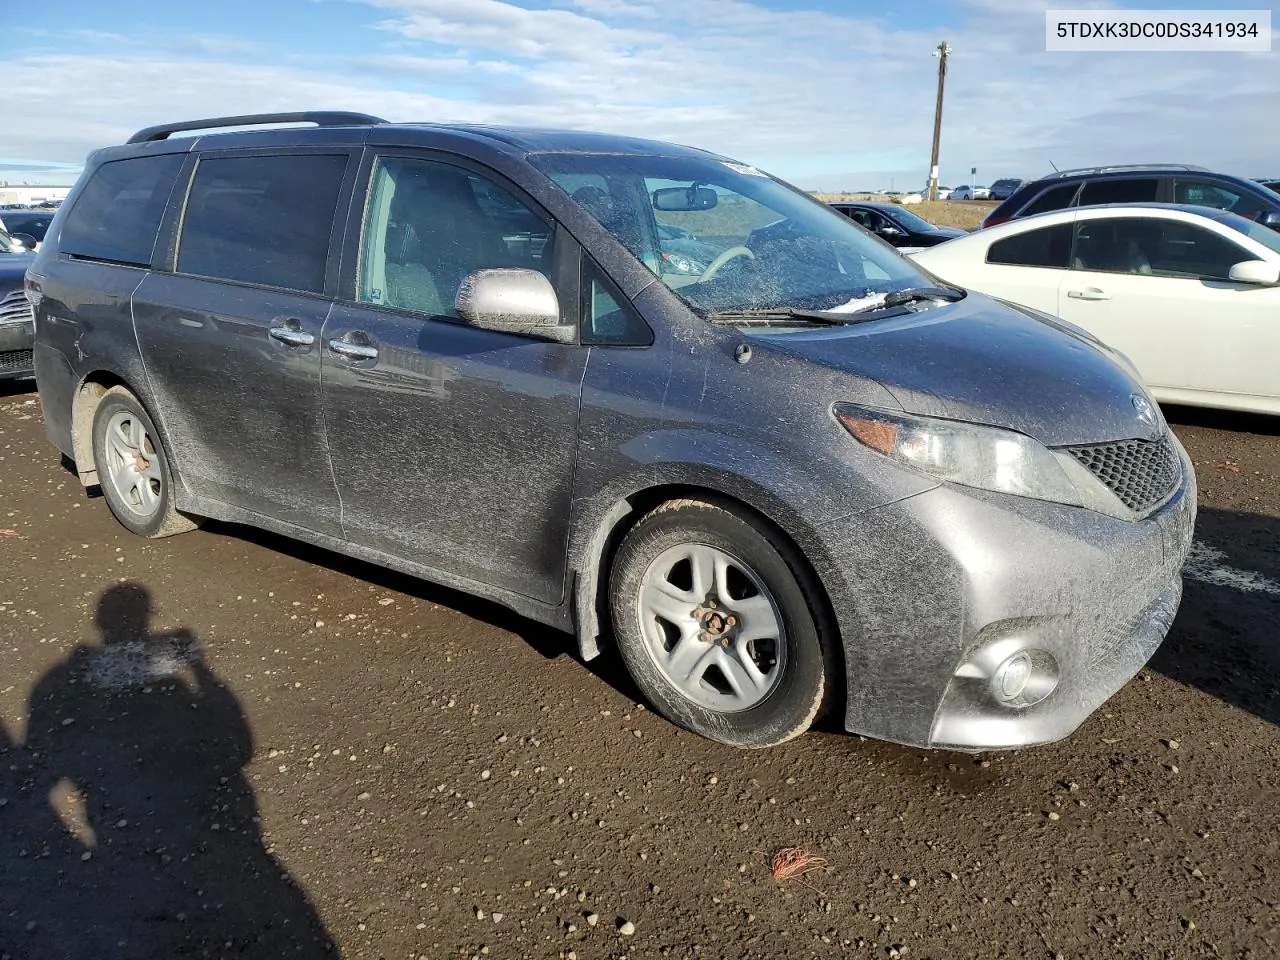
(804, 475)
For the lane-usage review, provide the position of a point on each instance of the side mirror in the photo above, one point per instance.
(26, 239)
(522, 302)
(1271, 220)
(889, 231)
(1259, 272)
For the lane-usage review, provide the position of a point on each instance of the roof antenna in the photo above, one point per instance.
(1055, 169)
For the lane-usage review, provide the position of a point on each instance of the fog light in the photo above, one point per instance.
(1011, 677)
(1024, 679)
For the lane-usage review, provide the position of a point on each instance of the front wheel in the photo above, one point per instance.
(720, 626)
(132, 468)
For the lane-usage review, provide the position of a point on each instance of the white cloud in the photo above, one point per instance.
(822, 99)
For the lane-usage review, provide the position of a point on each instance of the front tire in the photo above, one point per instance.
(133, 470)
(720, 625)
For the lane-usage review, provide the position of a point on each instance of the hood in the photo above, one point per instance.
(13, 267)
(983, 362)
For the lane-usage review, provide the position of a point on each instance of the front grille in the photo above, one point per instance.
(14, 308)
(1141, 473)
(12, 360)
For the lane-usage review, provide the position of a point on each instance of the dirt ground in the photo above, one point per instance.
(228, 745)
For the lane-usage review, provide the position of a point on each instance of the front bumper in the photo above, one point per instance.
(931, 585)
(15, 350)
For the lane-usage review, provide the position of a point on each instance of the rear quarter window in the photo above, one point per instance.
(1055, 198)
(117, 214)
(1046, 247)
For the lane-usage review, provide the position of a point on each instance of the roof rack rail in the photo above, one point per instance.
(1120, 168)
(321, 118)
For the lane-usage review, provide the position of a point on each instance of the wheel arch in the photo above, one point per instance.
(594, 556)
(84, 405)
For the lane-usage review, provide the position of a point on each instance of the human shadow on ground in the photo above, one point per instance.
(128, 827)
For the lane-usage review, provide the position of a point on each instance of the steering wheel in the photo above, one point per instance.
(715, 266)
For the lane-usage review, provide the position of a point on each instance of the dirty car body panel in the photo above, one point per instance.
(510, 465)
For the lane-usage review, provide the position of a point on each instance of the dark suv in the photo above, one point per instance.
(786, 473)
(1142, 183)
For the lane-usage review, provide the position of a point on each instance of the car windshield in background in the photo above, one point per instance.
(1267, 236)
(32, 224)
(761, 245)
(912, 222)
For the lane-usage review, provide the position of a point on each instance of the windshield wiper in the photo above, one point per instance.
(914, 294)
(829, 318)
(777, 317)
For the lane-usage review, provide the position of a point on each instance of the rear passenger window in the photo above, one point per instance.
(1056, 198)
(264, 220)
(118, 212)
(1119, 191)
(1046, 247)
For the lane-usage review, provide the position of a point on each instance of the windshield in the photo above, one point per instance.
(912, 222)
(726, 237)
(1267, 236)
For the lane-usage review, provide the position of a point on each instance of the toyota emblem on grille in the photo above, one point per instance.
(1146, 413)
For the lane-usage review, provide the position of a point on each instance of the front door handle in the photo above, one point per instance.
(1089, 293)
(352, 350)
(291, 335)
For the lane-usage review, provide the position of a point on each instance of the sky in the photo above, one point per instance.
(828, 94)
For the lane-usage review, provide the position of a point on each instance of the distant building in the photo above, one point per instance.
(27, 194)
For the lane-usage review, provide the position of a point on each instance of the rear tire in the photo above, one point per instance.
(720, 625)
(133, 470)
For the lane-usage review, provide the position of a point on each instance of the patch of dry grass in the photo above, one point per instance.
(965, 214)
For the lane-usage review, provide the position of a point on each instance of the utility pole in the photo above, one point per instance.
(942, 52)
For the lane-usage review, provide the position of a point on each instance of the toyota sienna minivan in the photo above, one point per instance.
(805, 475)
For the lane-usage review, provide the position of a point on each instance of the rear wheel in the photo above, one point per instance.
(132, 468)
(718, 624)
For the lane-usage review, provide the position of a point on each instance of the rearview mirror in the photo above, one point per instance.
(684, 199)
(522, 302)
(1259, 272)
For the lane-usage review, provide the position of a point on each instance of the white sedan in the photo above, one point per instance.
(1190, 294)
(970, 192)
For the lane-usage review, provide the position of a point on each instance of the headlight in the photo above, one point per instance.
(684, 264)
(966, 453)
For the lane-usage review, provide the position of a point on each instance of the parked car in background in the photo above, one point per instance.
(1142, 183)
(15, 311)
(1003, 189)
(899, 227)
(970, 192)
(808, 477)
(28, 224)
(1190, 294)
(684, 252)
(944, 193)
(1271, 183)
